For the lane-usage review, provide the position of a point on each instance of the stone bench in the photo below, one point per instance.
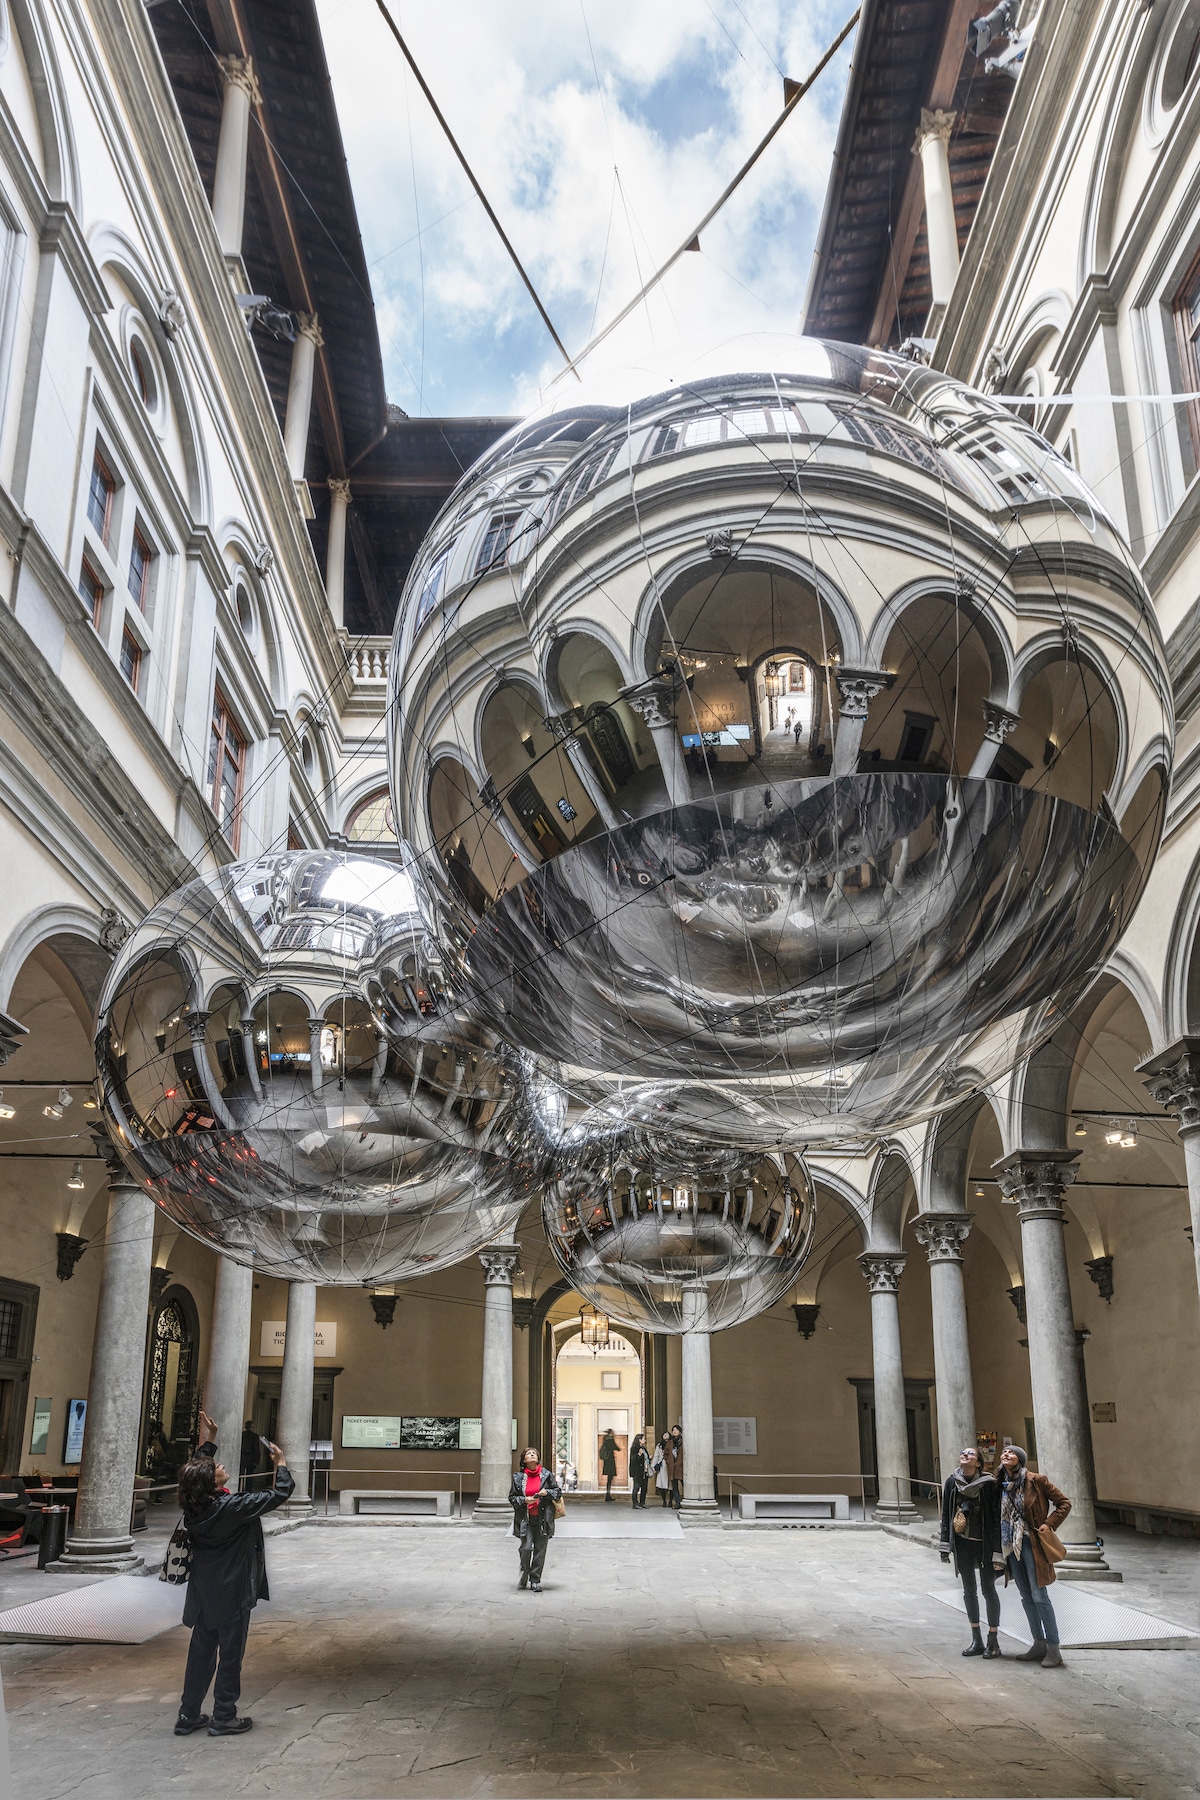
(793, 1506)
(433, 1502)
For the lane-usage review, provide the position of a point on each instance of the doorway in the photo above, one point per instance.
(172, 1394)
(919, 1423)
(18, 1316)
(595, 1391)
(786, 713)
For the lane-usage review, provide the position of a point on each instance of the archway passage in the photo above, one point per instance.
(172, 1390)
(595, 1391)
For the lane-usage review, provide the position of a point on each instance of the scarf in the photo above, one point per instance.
(970, 1490)
(1012, 1517)
(533, 1485)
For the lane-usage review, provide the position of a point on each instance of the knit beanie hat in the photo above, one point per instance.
(1018, 1453)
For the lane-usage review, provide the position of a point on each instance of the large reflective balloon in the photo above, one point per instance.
(792, 719)
(671, 1234)
(282, 1067)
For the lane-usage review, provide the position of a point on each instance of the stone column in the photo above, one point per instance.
(655, 707)
(932, 146)
(250, 1052)
(101, 1542)
(1036, 1180)
(997, 723)
(699, 1505)
(229, 1358)
(1173, 1078)
(316, 1071)
(300, 391)
(495, 1456)
(335, 551)
(883, 1269)
(943, 1235)
(567, 732)
(240, 93)
(197, 1029)
(491, 799)
(856, 690)
(296, 1395)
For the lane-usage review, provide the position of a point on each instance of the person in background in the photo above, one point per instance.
(971, 1539)
(608, 1462)
(228, 1578)
(676, 1467)
(533, 1496)
(639, 1470)
(1030, 1505)
(660, 1462)
(250, 1452)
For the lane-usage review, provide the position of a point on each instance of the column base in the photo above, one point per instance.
(1085, 1562)
(704, 1513)
(492, 1512)
(903, 1514)
(98, 1556)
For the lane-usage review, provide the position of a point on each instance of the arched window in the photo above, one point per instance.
(372, 822)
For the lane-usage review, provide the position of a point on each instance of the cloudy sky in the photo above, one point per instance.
(601, 131)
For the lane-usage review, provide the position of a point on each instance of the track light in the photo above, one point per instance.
(57, 1108)
(6, 1111)
(76, 1179)
(1080, 1129)
(982, 33)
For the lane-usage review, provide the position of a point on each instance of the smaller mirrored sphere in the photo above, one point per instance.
(670, 1235)
(283, 1069)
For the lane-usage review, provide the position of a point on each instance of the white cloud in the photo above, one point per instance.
(685, 91)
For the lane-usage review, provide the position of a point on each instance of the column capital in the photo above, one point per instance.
(934, 124)
(943, 1235)
(339, 490)
(238, 72)
(1172, 1078)
(309, 326)
(562, 725)
(499, 1264)
(858, 687)
(196, 1024)
(998, 721)
(655, 705)
(882, 1269)
(1036, 1180)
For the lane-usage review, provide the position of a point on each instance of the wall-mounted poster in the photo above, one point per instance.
(73, 1436)
(735, 1437)
(370, 1433)
(429, 1434)
(470, 1434)
(39, 1437)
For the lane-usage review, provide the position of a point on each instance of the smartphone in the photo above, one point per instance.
(265, 1442)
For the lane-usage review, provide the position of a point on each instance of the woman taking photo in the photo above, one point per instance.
(971, 1539)
(1031, 1506)
(533, 1496)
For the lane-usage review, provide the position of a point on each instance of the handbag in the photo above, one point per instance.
(960, 1522)
(177, 1563)
(560, 1509)
(1052, 1544)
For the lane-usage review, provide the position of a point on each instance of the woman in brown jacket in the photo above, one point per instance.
(676, 1467)
(1028, 1504)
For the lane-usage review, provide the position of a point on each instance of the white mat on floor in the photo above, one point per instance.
(127, 1609)
(600, 1521)
(1085, 1621)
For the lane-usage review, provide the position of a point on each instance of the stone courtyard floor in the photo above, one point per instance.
(403, 1661)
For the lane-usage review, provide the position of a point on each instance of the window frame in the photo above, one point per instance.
(137, 656)
(1187, 332)
(141, 596)
(101, 466)
(216, 764)
(97, 592)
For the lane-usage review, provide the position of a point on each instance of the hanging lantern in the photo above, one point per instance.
(593, 1328)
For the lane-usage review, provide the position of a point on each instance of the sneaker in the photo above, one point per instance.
(185, 1727)
(524, 1581)
(535, 1587)
(230, 1727)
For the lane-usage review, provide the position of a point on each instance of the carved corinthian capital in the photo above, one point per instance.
(943, 1235)
(656, 705)
(998, 721)
(1173, 1080)
(858, 687)
(1036, 1180)
(238, 72)
(882, 1269)
(934, 124)
(499, 1263)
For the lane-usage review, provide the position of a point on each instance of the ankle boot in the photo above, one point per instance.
(975, 1647)
(1053, 1658)
(993, 1645)
(1035, 1652)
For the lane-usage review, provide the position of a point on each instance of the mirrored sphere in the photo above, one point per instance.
(793, 719)
(667, 1234)
(281, 1066)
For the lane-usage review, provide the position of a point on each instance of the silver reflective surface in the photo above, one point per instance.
(844, 944)
(281, 1067)
(670, 1234)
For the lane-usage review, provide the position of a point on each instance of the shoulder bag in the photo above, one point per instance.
(1052, 1544)
(560, 1508)
(177, 1563)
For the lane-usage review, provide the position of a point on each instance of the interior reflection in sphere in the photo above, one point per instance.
(673, 1237)
(790, 715)
(282, 1069)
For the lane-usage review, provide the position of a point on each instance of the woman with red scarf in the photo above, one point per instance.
(533, 1496)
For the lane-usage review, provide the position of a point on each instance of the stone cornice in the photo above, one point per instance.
(1172, 1078)
(60, 236)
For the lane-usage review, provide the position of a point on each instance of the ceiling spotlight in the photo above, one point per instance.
(76, 1180)
(52, 1111)
(6, 1111)
(1080, 1129)
(1129, 1138)
(979, 1193)
(90, 1103)
(1115, 1133)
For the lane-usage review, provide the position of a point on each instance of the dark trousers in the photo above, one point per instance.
(676, 1491)
(533, 1551)
(639, 1490)
(974, 1567)
(229, 1640)
(608, 1479)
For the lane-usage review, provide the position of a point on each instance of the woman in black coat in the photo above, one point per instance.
(533, 1496)
(228, 1578)
(639, 1470)
(608, 1461)
(971, 1539)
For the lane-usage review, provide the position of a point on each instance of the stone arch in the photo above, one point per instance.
(1125, 102)
(79, 932)
(50, 100)
(977, 605)
(471, 849)
(1181, 977)
(1094, 757)
(241, 557)
(893, 1186)
(546, 802)
(1043, 1085)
